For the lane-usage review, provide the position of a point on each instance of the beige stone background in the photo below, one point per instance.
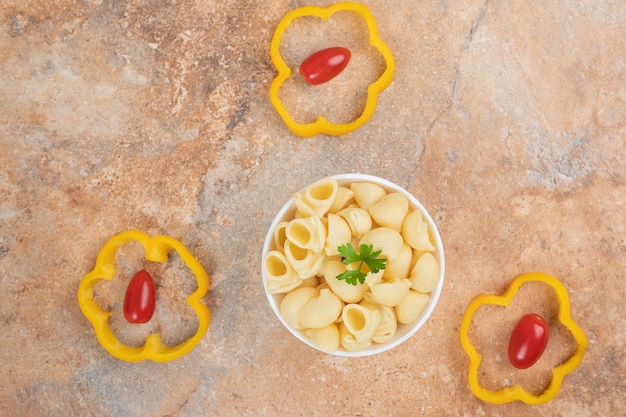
(506, 119)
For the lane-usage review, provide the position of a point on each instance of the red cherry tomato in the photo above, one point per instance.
(140, 298)
(528, 341)
(324, 65)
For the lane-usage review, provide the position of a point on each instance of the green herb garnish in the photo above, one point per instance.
(365, 256)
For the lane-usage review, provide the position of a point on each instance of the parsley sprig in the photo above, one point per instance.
(365, 256)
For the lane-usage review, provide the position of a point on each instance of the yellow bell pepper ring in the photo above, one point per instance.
(157, 249)
(321, 125)
(516, 392)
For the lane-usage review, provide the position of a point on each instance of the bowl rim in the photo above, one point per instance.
(434, 295)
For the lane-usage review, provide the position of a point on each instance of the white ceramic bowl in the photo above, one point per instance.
(404, 331)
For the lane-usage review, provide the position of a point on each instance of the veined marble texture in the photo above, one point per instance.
(507, 120)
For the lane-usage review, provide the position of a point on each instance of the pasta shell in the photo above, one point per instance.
(373, 277)
(411, 307)
(415, 232)
(338, 234)
(324, 221)
(401, 266)
(425, 274)
(320, 273)
(360, 321)
(358, 219)
(305, 262)
(385, 239)
(317, 197)
(302, 208)
(307, 233)
(390, 211)
(293, 302)
(391, 293)
(346, 292)
(367, 193)
(386, 331)
(348, 341)
(339, 320)
(325, 338)
(320, 311)
(281, 276)
(344, 196)
(416, 255)
(321, 195)
(388, 323)
(310, 282)
(279, 235)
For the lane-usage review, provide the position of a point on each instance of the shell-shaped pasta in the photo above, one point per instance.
(388, 323)
(354, 242)
(391, 293)
(360, 321)
(411, 307)
(302, 208)
(317, 197)
(425, 273)
(307, 233)
(339, 320)
(367, 193)
(320, 273)
(385, 239)
(310, 282)
(344, 196)
(401, 266)
(415, 232)
(386, 331)
(358, 219)
(346, 292)
(416, 255)
(390, 211)
(323, 285)
(279, 235)
(373, 277)
(325, 338)
(293, 302)
(338, 234)
(305, 262)
(321, 310)
(281, 276)
(348, 341)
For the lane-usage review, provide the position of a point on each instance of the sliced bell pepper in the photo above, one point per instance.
(516, 392)
(156, 250)
(321, 125)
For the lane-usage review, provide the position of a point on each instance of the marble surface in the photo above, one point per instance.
(506, 120)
